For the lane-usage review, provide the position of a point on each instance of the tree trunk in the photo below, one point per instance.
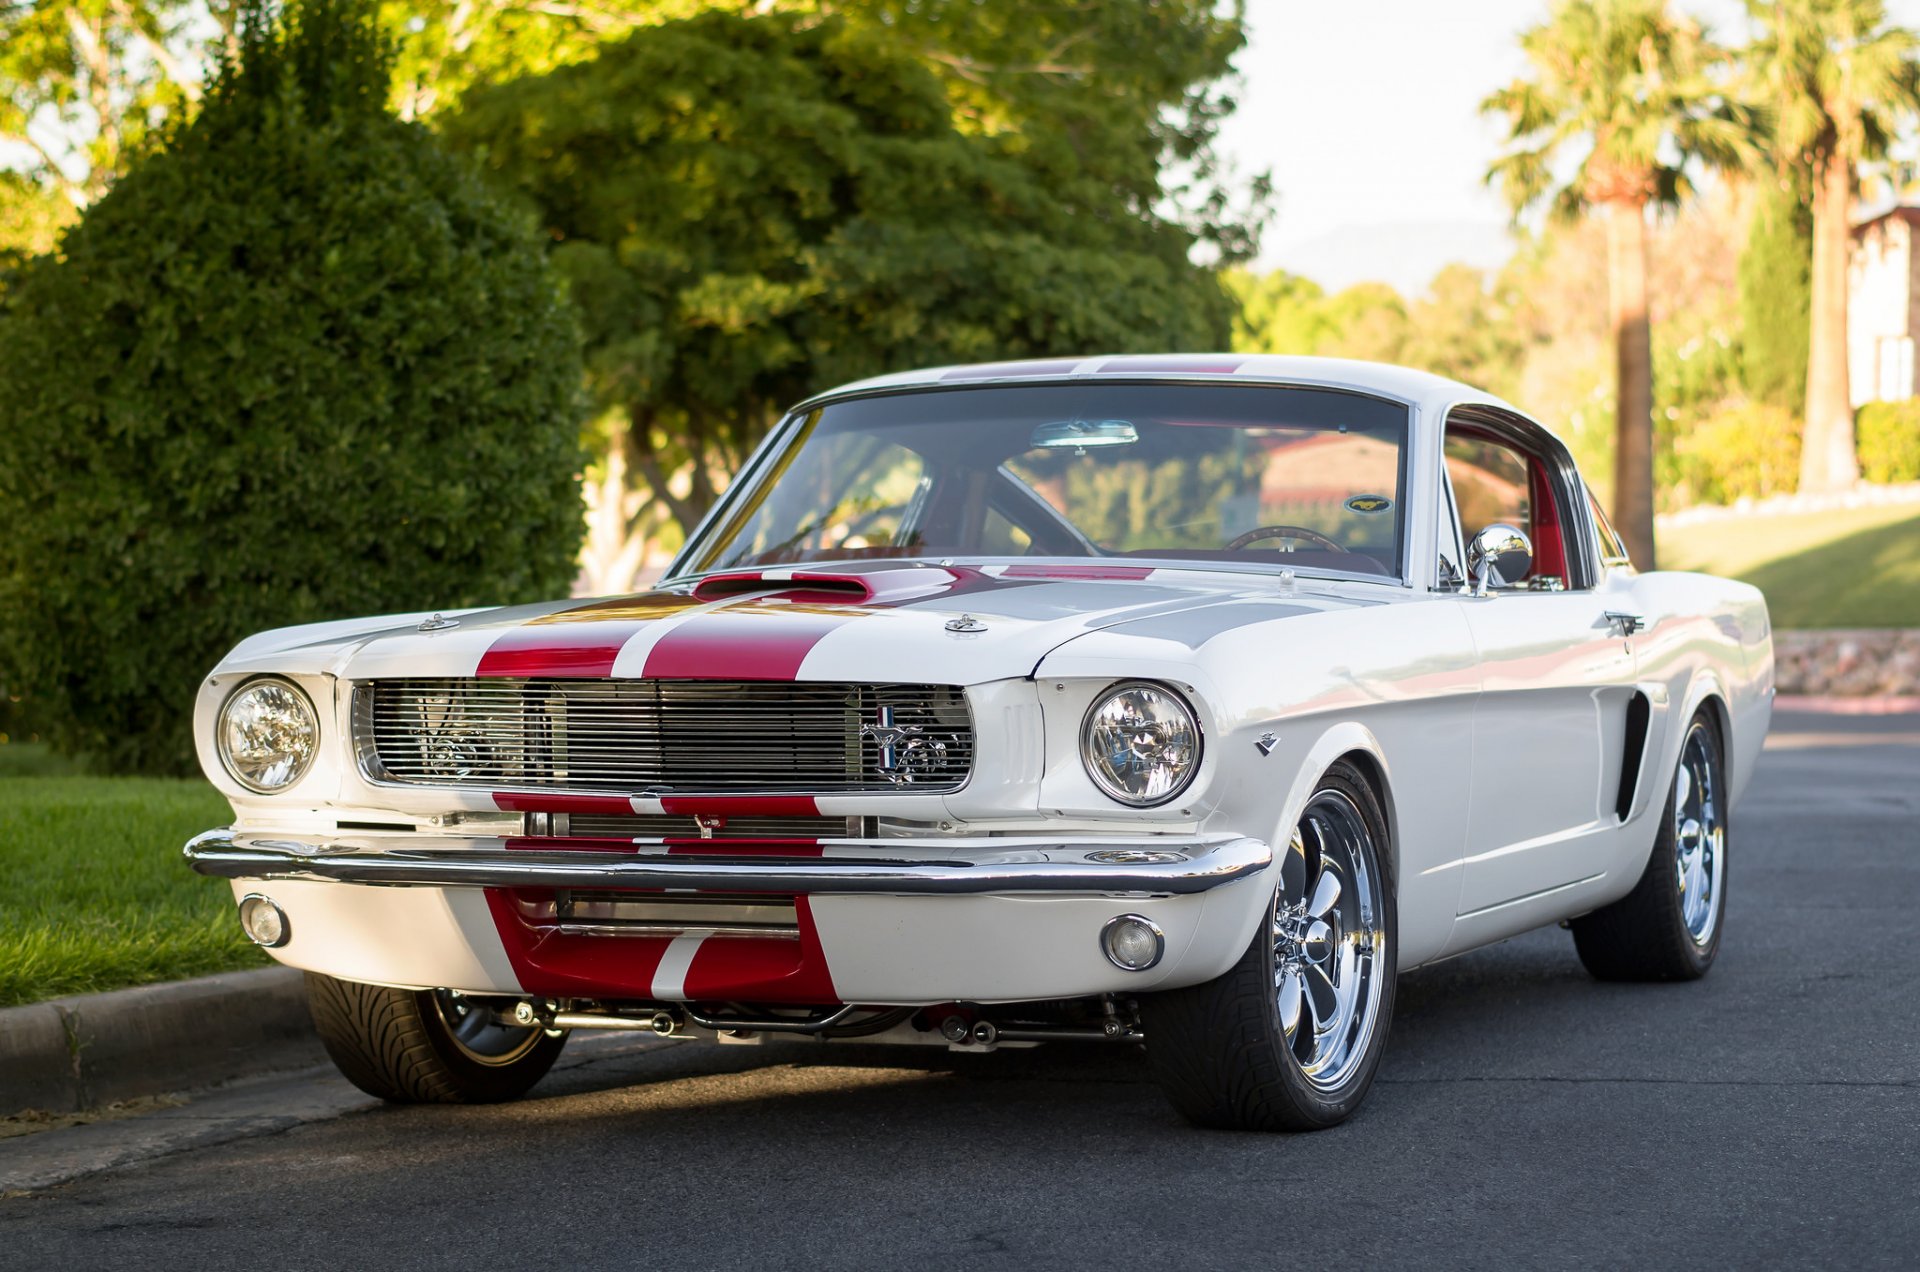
(1633, 378)
(1827, 460)
(619, 531)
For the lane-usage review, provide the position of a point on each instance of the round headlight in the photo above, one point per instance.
(267, 735)
(1141, 744)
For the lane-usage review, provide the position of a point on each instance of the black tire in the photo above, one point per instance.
(1645, 936)
(397, 1044)
(1221, 1051)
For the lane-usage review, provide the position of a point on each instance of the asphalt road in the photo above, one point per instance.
(1525, 1114)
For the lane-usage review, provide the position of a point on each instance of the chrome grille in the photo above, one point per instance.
(635, 737)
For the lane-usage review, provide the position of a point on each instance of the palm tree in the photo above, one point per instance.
(1620, 99)
(1836, 79)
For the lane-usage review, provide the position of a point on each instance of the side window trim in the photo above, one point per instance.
(1452, 532)
(1612, 551)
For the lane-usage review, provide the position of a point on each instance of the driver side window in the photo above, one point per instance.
(1490, 484)
(1495, 481)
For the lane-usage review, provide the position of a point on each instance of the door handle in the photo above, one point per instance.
(1625, 624)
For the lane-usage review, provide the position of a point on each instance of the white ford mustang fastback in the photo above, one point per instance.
(1181, 701)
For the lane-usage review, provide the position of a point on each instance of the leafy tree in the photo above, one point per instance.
(1838, 80)
(751, 209)
(1618, 101)
(1459, 328)
(445, 47)
(1120, 99)
(1463, 328)
(82, 81)
(327, 372)
(1775, 294)
(1369, 322)
(1278, 312)
(1285, 313)
(31, 217)
(1106, 99)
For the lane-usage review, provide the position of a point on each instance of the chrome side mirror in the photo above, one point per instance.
(1499, 556)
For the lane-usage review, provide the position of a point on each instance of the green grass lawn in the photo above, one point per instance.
(1858, 567)
(93, 892)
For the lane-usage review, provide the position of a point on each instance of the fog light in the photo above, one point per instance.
(1131, 943)
(264, 922)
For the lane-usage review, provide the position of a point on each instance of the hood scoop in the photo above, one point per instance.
(851, 587)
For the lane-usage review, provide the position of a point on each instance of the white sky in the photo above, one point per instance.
(1366, 112)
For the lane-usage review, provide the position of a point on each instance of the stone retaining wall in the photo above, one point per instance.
(1851, 664)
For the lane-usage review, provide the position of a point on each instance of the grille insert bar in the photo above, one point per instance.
(664, 736)
(591, 913)
(664, 826)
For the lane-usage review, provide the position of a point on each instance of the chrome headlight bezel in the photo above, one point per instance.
(1100, 773)
(310, 720)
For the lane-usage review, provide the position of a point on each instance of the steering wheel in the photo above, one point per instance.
(1284, 532)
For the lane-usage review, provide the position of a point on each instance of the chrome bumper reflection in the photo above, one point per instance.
(1165, 867)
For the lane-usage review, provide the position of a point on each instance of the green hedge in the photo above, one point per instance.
(299, 364)
(1887, 435)
(1748, 451)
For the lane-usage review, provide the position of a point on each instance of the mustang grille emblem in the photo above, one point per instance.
(907, 751)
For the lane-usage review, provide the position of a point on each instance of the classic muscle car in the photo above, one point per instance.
(1175, 701)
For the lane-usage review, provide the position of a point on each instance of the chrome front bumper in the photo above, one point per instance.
(898, 867)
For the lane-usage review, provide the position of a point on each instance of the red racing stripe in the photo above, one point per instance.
(581, 642)
(1173, 366)
(555, 964)
(554, 802)
(740, 805)
(558, 964)
(752, 641)
(999, 370)
(752, 970)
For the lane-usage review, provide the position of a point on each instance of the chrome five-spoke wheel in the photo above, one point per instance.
(470, 1027)
(1699, 838)
(1668, 928)
(1328, 946)
(1288, 1038)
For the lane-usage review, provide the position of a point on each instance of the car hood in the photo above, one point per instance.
(921, 624)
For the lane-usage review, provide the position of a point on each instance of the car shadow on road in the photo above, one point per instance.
(1469, 1013)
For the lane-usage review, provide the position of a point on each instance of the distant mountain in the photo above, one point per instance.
(1404, 254)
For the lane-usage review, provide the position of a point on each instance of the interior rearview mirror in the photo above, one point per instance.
(1084, 434)
(1499, 556)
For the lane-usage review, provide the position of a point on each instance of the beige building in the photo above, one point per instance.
(1883, 307)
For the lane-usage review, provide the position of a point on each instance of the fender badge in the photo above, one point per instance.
(1369, 503)
(965, 623)
(437, 624)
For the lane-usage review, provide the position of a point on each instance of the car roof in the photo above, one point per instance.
(1385, 379)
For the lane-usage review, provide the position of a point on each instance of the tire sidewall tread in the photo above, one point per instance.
(1218, 1048)
(1643, 936)
(392, 1044)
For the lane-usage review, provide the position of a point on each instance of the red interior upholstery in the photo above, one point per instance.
(1549, 547)
(1549, 544)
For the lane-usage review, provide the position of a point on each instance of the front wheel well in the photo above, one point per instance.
(1375, 775)
(1716, 709)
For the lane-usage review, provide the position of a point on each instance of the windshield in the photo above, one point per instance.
(1224, 474)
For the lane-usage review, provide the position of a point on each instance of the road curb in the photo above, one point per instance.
(79, 1053)
(1835, 704)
